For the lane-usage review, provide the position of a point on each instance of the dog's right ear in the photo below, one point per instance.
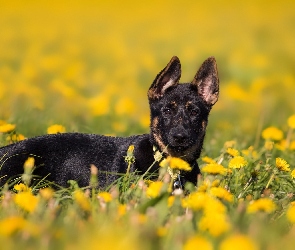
(167, 78)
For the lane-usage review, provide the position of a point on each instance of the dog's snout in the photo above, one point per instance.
(180, 137)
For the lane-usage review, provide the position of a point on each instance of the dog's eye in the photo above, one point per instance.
(167, 111)
(194, 112)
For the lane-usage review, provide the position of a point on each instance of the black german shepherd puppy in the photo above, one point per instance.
(179, 116)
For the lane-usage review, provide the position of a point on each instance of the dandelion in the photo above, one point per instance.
(46, 193)
(293, 174)
(54, 129)
(105, 196)
(221, 193)
(272, 133)
(233, 152)
(7, 128)
(208, 160)
(82, 200)
(176, 163)
(291, 213)
(154, 189)
(237, 162)
(196, 201)
(214, 168)
(27, 201)
(292, 145)
(263, 204)
(199, 241)
(215, 223)
(268, 145)
(15, 138)
(229, 144)
(21, 187)
(10, 225)
(242, 241)
(171, 200)
(291, 121)
(282, 165)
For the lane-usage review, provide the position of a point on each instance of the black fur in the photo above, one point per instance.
(179, 116)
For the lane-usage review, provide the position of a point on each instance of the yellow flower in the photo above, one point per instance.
(250, 152)
(122, 209)
(232, 152)
(29, 163)
(293, 174)
(6, 128)
(229, 144)
(272, 133)
(215, 223)
(292, 145)
(125, 106)
(263, 204)
(291, 214)
(171, 200)
(237, 162)
(82, 200)
(54, 129)
(162, 231)
(291, 121)
(27, 201)
(282, 165)
(10, 225)
(46, 193)
(238, 241)
(154, 189)
(105, 196)
(15, 137)
(195, 201)
(21, 187)
(198, 242)
(268, 145)
(208, 160)
(214, 168)
(221, 193)
(175, 163)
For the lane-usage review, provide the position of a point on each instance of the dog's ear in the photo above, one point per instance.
(207, 82)
(167, 78)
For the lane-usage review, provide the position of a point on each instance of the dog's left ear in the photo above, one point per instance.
(207, 82)
(167, 78)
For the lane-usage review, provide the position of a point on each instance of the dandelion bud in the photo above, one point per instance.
(93, 176)
(28, 168)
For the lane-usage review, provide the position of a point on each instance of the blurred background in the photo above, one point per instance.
(88, 64)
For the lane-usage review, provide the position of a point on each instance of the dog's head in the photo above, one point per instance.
(179, 112)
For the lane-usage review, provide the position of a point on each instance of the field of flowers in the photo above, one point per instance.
(86, 66)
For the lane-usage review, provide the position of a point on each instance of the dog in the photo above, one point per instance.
(179, 116)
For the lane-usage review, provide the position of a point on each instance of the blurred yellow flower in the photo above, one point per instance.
(214, 168)
(46, 193)
(26, 201)
(198, 242)
(229, 144)
(291, 121)
(171, 200)
(10, 225)
(56, 128)
(82, 200)
(263, 204)
(238, 241)
(282, 165)
(291, 213)
(105, 196)
(208, 160)
(154, 189)
(268, 145)
(215, 223)
(6, 128)
(15, 138)
(99, 105)
(272, 133)
(237, 162)
(293, 174)
(125, 106)
(221, 193)
(232, 152)
(29, 163)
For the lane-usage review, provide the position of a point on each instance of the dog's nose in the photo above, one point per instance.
(180, 137)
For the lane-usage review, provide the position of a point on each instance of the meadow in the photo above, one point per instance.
(73, 66)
